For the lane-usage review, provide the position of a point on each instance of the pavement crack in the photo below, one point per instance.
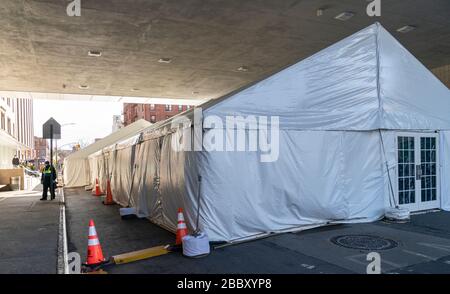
(30, 208)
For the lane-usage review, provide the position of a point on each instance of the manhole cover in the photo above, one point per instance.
(364, 242)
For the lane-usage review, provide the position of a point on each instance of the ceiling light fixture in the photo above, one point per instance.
(165, 60)
(94, 53)
(406, 29)
(242, 69)
(346, 15)
(83, 87)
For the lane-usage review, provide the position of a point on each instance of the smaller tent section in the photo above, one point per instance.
(76, 166)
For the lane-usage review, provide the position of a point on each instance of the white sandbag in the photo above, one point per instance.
(397, 214)
(195, 246)
(126, 211)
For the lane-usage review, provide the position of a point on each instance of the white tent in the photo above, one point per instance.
(76, 165)
(363, 126)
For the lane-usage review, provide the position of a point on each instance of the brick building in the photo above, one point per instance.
(42, 150)
(150, 112)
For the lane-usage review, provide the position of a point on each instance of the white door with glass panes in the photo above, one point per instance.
(417, 171)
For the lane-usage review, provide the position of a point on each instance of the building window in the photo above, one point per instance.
(180, 107)
(152, 118)
(188, 107)
(168, 107)
(3, 121)
(152, 106)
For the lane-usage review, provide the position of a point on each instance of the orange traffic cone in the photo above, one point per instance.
(94, 252)
(109, 199)
(181, 227)
(96, 191)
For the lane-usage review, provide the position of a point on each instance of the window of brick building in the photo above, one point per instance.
(180, 107)
(152, 106)
(152, 118)
(3, 121)
(168, 107)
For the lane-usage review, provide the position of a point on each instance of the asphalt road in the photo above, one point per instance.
(422, 246)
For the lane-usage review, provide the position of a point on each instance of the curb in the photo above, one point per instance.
(62, 260)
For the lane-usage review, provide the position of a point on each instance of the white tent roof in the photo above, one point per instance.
(120, 135)
(366, 81)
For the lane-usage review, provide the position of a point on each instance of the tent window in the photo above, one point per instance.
(406, 172)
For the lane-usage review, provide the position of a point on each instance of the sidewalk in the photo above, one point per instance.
(29, 233)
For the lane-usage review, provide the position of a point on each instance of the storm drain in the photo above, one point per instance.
(364, 242)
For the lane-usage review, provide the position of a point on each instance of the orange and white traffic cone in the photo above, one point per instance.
(94, 252)
(97, 191)
(109, 198)
(181, 227)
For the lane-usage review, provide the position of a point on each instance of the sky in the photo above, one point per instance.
(90, 119)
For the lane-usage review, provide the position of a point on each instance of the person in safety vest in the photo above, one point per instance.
(48, 179)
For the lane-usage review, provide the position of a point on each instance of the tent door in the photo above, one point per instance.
(417, 171)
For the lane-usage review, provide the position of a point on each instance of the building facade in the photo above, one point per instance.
(16, 130)
(42, 150)
(150, 112)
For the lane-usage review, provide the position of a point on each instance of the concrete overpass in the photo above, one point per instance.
(190, 49)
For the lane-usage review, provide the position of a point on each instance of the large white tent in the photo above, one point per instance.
(363, 126)
(76, 165)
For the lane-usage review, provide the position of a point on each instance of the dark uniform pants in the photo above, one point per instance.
(48, 185)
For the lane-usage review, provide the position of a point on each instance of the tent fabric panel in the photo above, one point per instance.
(319, 177)
(145, 188)
(412, 97)
(445, 169)
(367, 81)
(122, 176)
(76, 172)
(334, 89)
(172, 183)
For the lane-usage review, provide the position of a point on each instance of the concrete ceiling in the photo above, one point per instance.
(42, 49)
